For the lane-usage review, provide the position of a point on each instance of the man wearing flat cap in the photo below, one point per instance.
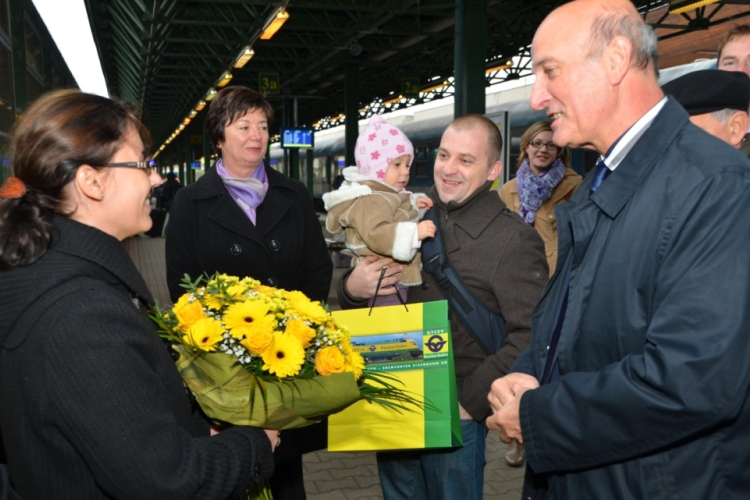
(717, 102)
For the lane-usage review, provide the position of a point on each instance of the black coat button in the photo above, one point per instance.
(275, 245)
(235, 249)
(256, 470)
(272, 282)
(425, 285)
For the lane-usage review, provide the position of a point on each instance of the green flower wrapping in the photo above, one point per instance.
(227, 392)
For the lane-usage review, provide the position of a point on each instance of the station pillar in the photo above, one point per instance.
(207, 149)
(351, 110)
(470, 56)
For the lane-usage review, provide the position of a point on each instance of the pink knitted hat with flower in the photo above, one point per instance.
(378, 146)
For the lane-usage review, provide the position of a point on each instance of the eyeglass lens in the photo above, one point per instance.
(538, 143)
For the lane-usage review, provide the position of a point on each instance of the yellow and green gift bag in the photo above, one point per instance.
(416, 347)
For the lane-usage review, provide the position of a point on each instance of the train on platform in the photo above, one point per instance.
(400, 350)
(424, 125)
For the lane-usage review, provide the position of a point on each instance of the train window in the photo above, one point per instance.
(4, 18)
(422, 157)
(55, 77)
(34, 62)
(33, 50)
(7, 114)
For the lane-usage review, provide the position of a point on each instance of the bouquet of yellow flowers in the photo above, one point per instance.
(266, 357)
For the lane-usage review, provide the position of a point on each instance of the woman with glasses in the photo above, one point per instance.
(91, 404)
(544, 179)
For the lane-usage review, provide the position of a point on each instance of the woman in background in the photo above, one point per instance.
(91, 404)
(544, 180)
(243, 218)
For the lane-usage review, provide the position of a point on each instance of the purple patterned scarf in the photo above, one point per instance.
(533, 191)
(249, 192)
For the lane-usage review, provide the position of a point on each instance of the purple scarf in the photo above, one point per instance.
(533, 191)
(249, 192)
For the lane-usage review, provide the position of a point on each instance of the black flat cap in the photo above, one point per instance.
(710, 90)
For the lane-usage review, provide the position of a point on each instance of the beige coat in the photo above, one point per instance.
(545, 222)
(376, 220)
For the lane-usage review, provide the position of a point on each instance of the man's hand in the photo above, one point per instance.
(363, 280)
(505, 400)
(506, 388)
(508, 419)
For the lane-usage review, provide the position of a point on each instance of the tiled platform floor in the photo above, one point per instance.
(335, 476)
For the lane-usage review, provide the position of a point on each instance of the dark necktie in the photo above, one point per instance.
(601, 173)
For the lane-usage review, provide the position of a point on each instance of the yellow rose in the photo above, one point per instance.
(299, 329)
(237, 292)
(330, 360)
(187, 312)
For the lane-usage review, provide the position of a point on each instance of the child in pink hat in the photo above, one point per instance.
(374, 210)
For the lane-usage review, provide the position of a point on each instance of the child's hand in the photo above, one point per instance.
(425, 229)
(424, 202)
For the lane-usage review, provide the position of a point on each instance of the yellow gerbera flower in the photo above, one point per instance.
(299, 329)
(354, 361)
(248, 318)
(284, 357)
(187, 312)
(305, 309)
(330, 360)
(204, 334)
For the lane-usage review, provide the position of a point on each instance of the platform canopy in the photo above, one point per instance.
(166, 55)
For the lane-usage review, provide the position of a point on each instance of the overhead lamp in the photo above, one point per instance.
(507, 65)
(276, 23)
(200, 106)
(395, 99)
(210, 95)
(688, 5)
(225, 78)
(192, 114)
(186, 121)
(181, 127)
(441, 85)
(246, 55)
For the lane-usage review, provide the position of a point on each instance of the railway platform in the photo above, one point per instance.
(334, 476)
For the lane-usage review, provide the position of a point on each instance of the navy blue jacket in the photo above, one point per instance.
(655, 347)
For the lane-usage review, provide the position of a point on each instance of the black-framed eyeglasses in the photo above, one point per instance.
(141, 165)
(538, 143)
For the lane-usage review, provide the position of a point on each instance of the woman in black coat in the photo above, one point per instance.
(245, 219)
(91, 404)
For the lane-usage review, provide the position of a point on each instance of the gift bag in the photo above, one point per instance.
(414, 346)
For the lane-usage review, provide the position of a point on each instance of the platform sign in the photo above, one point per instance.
(269, 83)
(410, 86)
(196, 165)
(297, 137)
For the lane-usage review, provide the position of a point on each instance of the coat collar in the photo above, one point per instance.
(228, 214)
(621, 184)
(476, 213)
(89, 243)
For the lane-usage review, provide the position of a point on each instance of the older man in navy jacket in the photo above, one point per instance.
(637, 380)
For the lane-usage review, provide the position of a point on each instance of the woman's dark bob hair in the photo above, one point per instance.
(229, 105)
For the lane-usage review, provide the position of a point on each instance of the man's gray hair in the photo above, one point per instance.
(723, 115)
(642, 37)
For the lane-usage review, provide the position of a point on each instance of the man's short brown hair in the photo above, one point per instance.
(737, 31)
